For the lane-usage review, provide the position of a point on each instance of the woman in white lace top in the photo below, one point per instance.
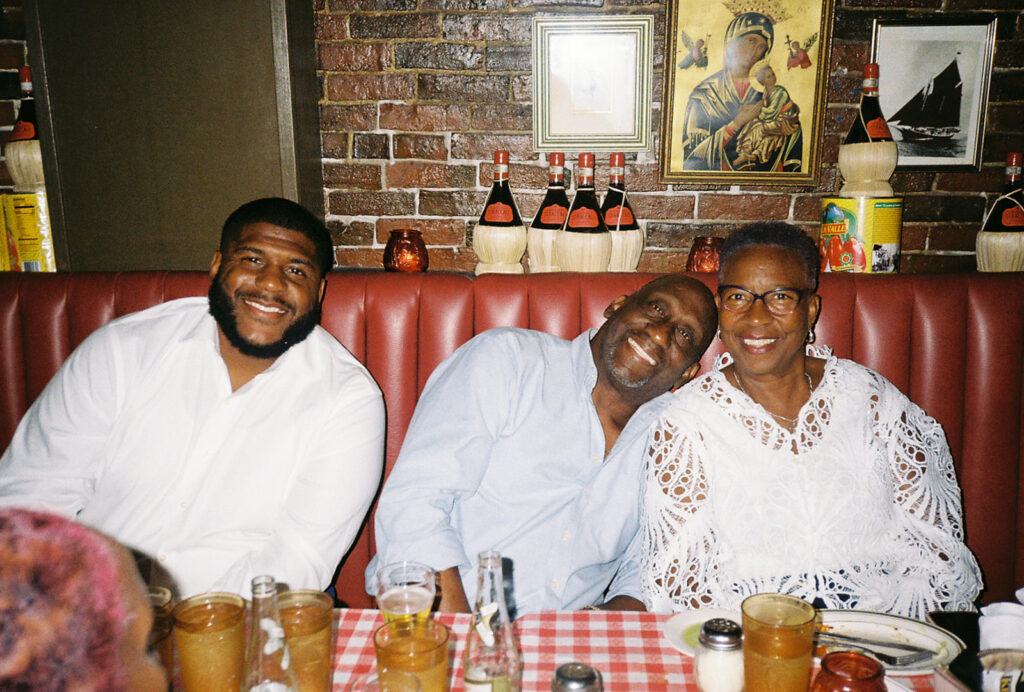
(789, 470)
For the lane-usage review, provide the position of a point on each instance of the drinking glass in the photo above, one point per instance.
(306, 616)
(392, 681)
(849, 671)
(209, 631)
(405, 590)
(160, 639)
(414, 646)
(778, 638)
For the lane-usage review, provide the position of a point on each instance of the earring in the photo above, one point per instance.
(720, 335)
(810, 337)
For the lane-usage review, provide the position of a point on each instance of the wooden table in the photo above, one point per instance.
(628, 648)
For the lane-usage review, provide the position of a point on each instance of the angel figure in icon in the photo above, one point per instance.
(697, 52)
(798, 56)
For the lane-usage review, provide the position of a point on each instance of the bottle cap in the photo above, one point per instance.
(586, 160)
(618, 160)
(1014, 158)
(501, 156)
(871, 70)
(576, 677)
(720, 634)
(25, 77)
(556, 158)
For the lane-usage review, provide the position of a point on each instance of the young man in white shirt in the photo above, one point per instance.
(225, 437)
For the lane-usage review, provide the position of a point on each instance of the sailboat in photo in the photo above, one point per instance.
(934, 112)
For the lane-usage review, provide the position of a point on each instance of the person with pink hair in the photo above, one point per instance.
(74, 613)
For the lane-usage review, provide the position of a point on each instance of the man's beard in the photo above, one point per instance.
(223, 311)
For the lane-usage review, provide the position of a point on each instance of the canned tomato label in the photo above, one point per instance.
(860, 234)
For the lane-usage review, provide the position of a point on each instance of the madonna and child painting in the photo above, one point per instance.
(744, 92)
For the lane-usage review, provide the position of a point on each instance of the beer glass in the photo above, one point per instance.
(405, 590)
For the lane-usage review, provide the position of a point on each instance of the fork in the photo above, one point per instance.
(895, 661)
(915, 655)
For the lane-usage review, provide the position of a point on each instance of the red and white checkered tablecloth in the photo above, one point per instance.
(628, 648)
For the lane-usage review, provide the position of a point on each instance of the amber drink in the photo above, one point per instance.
(209, 631)
(414, 646)
(306, 616)
(778, 638)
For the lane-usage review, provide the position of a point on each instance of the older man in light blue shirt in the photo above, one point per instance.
(531, 445)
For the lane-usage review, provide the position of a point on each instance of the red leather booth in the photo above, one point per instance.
(954, 343)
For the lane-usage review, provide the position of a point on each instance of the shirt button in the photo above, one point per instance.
(554, 585)
(183, 505)
(566, 536)
(162, 557)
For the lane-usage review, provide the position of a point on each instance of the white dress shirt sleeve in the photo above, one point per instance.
(58, 449)
(445, 454)
(333, 488)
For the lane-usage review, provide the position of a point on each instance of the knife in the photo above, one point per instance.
(850, 639)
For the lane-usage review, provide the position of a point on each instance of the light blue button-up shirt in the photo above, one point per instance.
(505, 452)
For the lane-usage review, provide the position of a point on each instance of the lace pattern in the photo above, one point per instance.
(858, 505)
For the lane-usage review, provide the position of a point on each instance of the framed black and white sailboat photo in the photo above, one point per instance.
(933, 88)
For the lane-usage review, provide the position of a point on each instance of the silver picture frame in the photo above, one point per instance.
(933, 88)
(592, 81)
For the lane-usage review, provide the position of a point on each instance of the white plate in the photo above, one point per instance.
(894, 628)
(681, 629)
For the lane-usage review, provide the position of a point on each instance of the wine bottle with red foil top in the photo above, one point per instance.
(23, 153)
(1007, 214)
(499, 238)
(869, 125)
(549, 219)
(584, 244)
(25, 126)
(868, 157)
(1000, 244)
(627, 236)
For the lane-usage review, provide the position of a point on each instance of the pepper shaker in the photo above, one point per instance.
(718, 664)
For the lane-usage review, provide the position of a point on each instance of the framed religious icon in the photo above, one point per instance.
(592, 83)
(933, 88)
(744, 98)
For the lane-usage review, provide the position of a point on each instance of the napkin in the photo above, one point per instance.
(1001, 635)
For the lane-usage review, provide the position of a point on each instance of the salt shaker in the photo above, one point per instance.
(718, 664)
(576, 677)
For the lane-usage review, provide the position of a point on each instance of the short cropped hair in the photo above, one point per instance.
(778, 233)
(62, 612)
(285, 213)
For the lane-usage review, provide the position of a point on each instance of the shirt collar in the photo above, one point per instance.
(583, 367)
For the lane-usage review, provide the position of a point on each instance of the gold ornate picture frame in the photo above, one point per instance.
(744, 91)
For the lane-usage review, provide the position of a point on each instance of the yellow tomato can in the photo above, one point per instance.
(26, 222)
(860, 234)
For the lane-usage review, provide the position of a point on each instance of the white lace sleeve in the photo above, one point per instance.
(945, 575)
(679, 560)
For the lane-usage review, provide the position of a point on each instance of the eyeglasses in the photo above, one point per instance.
(781, 301)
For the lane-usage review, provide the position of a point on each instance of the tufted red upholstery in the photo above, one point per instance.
(953, 343)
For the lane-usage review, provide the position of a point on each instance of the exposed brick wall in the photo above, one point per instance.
(417, 94)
